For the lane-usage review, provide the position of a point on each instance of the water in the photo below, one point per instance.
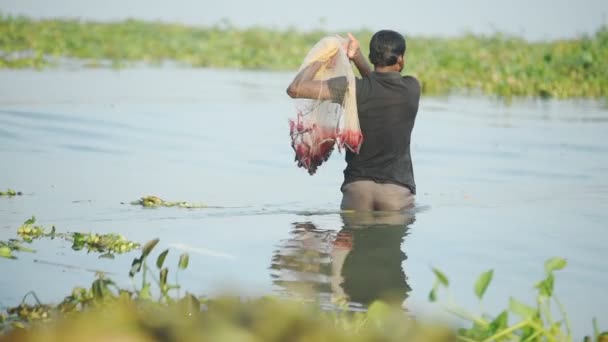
(500, 186)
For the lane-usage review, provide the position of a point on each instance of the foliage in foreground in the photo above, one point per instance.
(106, 311)
(498, 64)
(534, 323)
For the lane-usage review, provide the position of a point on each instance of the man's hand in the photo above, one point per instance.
(353, 52)
(353, 47)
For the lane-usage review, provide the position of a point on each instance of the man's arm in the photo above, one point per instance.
(354, 54)
(303, 85)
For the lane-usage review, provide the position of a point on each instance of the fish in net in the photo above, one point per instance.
(321, 124)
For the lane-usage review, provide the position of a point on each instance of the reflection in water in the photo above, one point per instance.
(360, 263)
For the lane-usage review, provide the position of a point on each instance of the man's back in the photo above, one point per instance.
(387, 105)
(380, 177)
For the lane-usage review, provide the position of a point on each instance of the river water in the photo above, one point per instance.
(502, 186)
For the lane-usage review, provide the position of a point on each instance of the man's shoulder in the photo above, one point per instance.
(411, 81)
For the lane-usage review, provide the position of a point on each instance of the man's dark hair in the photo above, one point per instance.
(385, 48)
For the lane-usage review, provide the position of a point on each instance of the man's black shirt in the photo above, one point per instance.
(387, 104)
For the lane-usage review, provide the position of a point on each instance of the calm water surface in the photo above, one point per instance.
(500, 186)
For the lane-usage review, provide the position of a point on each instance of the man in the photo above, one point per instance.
(380, 176)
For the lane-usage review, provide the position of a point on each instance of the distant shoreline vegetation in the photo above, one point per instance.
(499, 64)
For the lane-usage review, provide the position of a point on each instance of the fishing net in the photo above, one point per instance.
(320, 125)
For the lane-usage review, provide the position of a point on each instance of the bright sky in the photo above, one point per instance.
(533, 19)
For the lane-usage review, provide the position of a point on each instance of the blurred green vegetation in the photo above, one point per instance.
(494, 65)
(156, 308)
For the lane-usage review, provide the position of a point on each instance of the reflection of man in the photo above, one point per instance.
(367, 257)
(381, 176)
(361, 263)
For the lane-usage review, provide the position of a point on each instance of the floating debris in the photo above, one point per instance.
(154, 201)
(10, 193)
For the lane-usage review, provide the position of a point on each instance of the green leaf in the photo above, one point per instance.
(135, 266)
(522, 310)
(441, 277)
(30, 221)
(501, 322)
(555, 264)
(163, 276)
(433, 295)
(6, 252)
(161, 259)
(481, 285)
(183, 261)
(545, 287)
(148, 247)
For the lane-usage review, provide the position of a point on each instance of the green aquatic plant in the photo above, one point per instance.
(135, 314)
(108, 244)
(8, 247)
(105, 311)
(534, 323)
(10, 193)
(497, 64)
(102, 243)
(28, 231)
(154, 202)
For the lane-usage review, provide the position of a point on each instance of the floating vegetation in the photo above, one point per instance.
(8, 247)
(108, 244)
(496, 65)
(28, 231)
(10, 193)
(154, 202)
(102, 243)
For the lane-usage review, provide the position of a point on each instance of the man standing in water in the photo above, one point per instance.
(381, 176)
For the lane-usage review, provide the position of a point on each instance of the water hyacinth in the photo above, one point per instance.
(494, 65)
(154, 201)
(108, 244)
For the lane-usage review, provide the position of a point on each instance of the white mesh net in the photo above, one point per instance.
(321, 124)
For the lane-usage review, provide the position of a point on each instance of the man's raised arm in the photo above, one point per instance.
(353, 51)
(303, 85)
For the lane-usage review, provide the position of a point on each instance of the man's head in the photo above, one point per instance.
(387, 49)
